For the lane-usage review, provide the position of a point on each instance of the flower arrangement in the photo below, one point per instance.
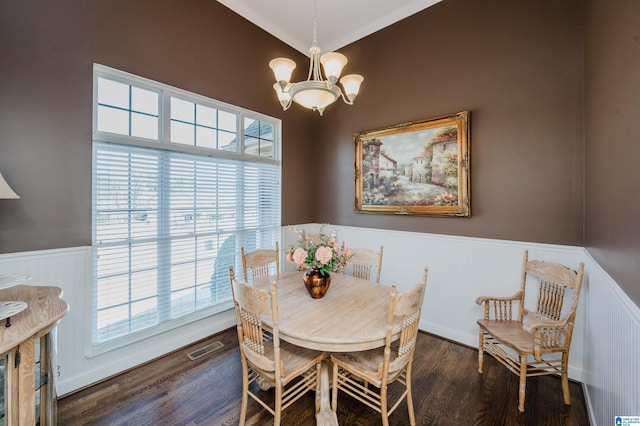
(321, 252)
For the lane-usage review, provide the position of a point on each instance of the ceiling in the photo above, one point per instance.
(339, 22)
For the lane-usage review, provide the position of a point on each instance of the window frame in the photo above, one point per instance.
(165, 93)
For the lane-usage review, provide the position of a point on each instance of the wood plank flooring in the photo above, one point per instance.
(173, 390)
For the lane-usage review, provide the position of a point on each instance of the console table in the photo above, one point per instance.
(30, 329)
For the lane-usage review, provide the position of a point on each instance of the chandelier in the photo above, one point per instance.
(315, 93)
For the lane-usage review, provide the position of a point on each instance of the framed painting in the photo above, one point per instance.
(417, 168)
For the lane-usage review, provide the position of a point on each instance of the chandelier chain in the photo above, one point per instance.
(315, 19)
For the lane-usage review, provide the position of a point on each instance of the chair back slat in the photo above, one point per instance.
(554, 280)
(262, 262)
(363, 261)
(362, 271)
(550, 300)
(259, 272)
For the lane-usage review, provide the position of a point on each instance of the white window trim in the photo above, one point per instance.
(165, 93)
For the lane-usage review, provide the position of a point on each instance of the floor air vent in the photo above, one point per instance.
(204, 350)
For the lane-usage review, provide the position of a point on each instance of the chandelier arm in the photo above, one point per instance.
(344, 98)
(310, 71)
(286, 106)
(313, 72)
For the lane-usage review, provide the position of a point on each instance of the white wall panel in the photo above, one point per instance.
(611, 370)
(605, 353)
(460, 270)
(70, 269)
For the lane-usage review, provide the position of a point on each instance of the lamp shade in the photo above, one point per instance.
(314, 98)
(315, 95)
(5, 189)
(282, 69)
(333, 63)
(351, 84)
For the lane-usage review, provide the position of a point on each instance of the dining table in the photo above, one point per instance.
(350, 317)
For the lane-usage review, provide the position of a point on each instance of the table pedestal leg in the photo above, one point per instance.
(325, 416)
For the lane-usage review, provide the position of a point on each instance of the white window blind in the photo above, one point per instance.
(169, 221)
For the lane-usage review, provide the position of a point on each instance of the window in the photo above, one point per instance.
(177, 190)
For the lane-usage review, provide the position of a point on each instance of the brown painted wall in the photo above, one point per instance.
(47, 52)
(612, 129)
(518, 66)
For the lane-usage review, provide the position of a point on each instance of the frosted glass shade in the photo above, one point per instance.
(314, 98)
(282, 69)
(332, 63)
(283, 95)
(351, 84)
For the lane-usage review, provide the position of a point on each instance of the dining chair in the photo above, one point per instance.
(537, 341)
(366, 375)
(363, 261)
(293, 370)
(260, 262)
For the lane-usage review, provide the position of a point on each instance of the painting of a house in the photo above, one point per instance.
(417, 170)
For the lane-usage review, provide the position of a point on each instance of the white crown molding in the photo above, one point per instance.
(339, 22)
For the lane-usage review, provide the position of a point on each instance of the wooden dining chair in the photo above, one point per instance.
(354, 373)
(293, 370)
(536, 342)
(261, 262)
(363, 261)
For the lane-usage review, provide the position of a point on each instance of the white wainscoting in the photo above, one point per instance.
(611, 365)
(70, 269)
(460, 270)
(606, 359)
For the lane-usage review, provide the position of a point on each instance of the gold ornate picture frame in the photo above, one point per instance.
(417, 168)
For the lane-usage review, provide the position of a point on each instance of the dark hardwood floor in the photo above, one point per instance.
(173, 390)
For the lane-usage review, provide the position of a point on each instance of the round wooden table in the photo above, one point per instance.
(350, 317)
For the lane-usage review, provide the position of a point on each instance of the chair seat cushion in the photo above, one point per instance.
(509, 333)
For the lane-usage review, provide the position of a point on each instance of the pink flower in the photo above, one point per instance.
(299, 255)
(346, 252)
(290, 256)
(324, 254)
